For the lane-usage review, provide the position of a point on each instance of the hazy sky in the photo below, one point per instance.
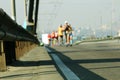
(79, 13)
(6, 5)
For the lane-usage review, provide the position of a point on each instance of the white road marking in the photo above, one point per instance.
(65, 70)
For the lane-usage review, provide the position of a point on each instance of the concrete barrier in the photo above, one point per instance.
(2, 58)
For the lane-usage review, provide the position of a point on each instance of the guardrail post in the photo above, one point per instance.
(2, 58)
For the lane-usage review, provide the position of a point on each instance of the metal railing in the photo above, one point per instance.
(11, 31)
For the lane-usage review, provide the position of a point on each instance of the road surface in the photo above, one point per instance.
(89, 61)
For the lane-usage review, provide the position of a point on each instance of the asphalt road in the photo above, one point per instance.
(91, 60)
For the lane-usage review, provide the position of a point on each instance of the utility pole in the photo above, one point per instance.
(112, 17)
(25, 8)
(36, 15)
(30, 24)
(13, 7)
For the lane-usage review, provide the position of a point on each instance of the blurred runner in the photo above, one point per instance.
(68, 33)
(64, 31)
(49, 39)
(56, 37)
(60, 34)
(53, 38)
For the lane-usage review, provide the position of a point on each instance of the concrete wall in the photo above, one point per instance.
(12, 51)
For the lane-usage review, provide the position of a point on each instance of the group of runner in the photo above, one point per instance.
(63, 36)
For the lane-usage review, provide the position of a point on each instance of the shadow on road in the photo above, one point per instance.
(80, 71)
(19, 63)
(97, 60)
(28, 74)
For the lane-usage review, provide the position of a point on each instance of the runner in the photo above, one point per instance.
(60, 34)
(64, 32)
(49, 40)
(56, 37)
(68, 33)
(53, 38)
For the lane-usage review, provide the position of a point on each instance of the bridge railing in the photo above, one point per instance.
(14, 40)
(11, 31)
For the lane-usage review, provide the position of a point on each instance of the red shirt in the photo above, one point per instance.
(49, 36)
(53, 35)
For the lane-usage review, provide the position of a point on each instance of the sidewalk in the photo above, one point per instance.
(35, 65)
